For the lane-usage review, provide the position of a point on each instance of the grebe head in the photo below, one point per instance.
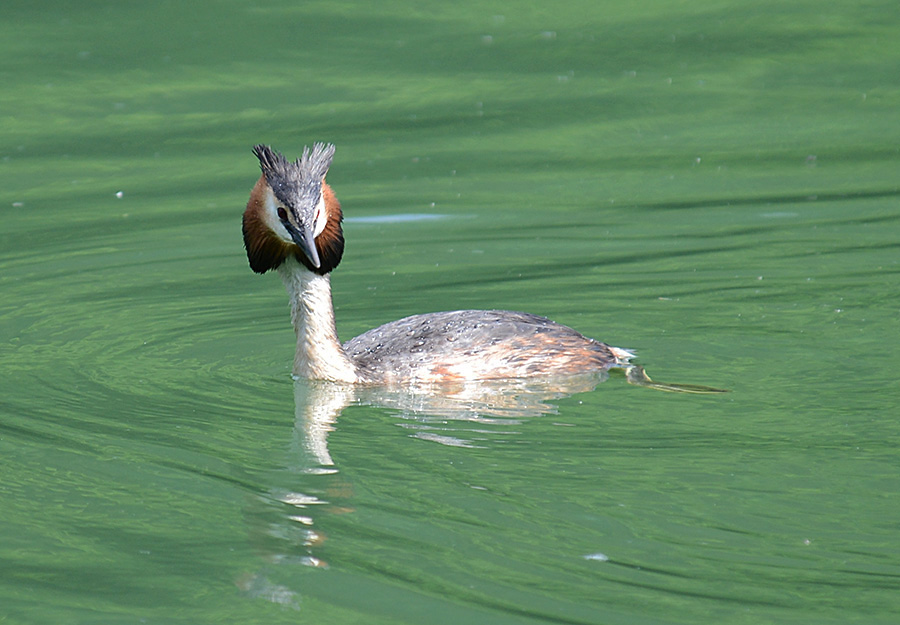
(293, 212)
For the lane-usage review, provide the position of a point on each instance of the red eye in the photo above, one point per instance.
(282, 214)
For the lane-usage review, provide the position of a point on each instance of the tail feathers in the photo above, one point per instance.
(623, 356)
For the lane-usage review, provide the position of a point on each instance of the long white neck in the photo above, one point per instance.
(319, 354)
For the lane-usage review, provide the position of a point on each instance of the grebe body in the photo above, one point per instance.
(292, 224)
(476, 344)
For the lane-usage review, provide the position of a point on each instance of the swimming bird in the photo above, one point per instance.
(292, 224)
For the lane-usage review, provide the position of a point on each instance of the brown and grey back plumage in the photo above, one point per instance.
(476, 344)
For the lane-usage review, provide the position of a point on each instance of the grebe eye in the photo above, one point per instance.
(282, 214)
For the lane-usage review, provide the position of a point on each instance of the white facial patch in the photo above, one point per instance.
(271, 215)
(321, 217)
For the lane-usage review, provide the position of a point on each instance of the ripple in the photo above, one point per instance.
(395, 219)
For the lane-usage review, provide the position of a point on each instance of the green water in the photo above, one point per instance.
(713, 184)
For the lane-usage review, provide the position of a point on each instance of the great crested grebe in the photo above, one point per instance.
(293, 224)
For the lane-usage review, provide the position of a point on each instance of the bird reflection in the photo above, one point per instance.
(288, 520)
(318, 405)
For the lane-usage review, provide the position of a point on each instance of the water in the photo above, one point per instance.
(713, 185)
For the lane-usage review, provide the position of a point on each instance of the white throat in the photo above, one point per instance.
(319, 354)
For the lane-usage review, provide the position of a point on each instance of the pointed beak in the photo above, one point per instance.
(303, 237)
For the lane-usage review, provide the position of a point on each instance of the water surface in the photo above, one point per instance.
(713, 185)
